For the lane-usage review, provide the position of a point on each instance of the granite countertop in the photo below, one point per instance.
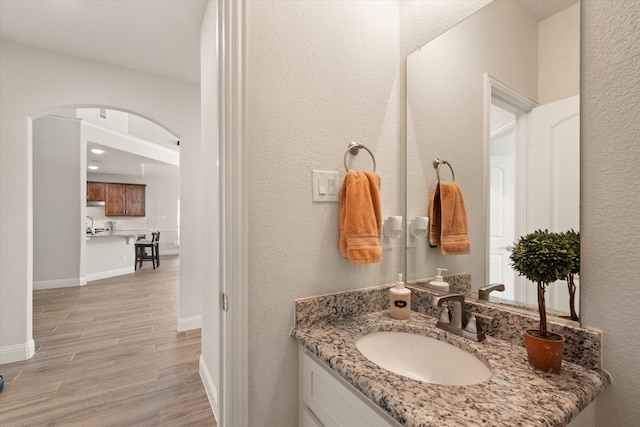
(130, 236)
(516, 393)
(117, 233)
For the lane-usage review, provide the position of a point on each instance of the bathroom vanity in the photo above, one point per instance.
(341, 387)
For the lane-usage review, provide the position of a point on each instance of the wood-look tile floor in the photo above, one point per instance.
(108, 354)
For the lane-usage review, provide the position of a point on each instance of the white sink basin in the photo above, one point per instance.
(423, 358)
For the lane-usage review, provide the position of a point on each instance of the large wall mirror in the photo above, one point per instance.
(497, 97)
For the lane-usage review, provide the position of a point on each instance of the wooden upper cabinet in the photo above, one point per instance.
(95, 192)
(124, 200)
(134, 200)
(115, 200)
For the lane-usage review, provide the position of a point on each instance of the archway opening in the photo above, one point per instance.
(78, 237)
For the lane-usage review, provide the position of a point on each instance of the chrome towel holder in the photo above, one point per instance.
(437, 163)
(354, 149)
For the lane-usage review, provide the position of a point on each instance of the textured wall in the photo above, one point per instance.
(319, 75)
(610, 197)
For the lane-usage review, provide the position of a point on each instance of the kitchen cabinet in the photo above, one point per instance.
(124, 199)
(134, 200)
(95, 192)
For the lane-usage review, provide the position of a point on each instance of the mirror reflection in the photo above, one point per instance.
(497, 97)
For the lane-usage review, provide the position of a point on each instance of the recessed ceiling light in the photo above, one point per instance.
(96, 161)
(97, 151)
(93, 167)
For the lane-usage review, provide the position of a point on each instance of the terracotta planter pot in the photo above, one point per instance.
(544, 354)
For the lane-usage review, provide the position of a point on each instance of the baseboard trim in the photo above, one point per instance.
(109, 273)
(209, 387)
(58, 283)
(81, 281)
(169, 252)
(189, 323)
(17, 352)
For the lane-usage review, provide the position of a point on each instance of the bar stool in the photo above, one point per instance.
(141, 251)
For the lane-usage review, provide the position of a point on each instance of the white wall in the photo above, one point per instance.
(209, 360)
(143, 128)
(127, 123)
(162, 194)
(108, 257)
(610, 197)
(446, 119)
(116, 120)
(33, 82)
(58, 221)
(320, 74)
(559, 56)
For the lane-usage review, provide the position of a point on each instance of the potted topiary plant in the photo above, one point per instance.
(573, 238)
(543, 257)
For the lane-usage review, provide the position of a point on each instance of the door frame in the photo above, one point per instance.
(233, 214)
(510, 99)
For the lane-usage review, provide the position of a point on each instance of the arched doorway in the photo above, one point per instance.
(112, 149)
(35, 83)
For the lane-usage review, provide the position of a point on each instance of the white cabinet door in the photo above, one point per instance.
(332, 401)
(308, 419)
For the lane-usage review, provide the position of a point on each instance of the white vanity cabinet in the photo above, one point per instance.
(326, 400)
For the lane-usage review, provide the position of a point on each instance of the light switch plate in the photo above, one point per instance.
(325, 182)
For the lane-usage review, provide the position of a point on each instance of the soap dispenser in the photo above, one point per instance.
(400, 300)
(438, 282)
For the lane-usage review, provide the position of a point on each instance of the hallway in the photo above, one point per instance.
(108, 354)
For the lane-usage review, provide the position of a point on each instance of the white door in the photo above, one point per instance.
(553, 178)
(502, 210)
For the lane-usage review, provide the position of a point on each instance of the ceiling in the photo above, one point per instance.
(161, 37)
(542, 9)
(118, 162)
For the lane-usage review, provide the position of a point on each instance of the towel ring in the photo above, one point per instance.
(437, 163)
(353, 149)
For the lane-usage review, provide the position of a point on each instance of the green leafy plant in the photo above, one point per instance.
(543, 257)
(573, 238)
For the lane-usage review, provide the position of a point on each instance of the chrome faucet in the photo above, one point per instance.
(483, 293)
(454, 310)
(454, 319)
(90, 229)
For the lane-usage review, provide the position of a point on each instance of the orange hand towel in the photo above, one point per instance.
(360, 219)
(448, 220)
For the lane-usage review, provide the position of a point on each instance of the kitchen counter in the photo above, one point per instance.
(109, 254)
(516, 393)
(131, 236)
